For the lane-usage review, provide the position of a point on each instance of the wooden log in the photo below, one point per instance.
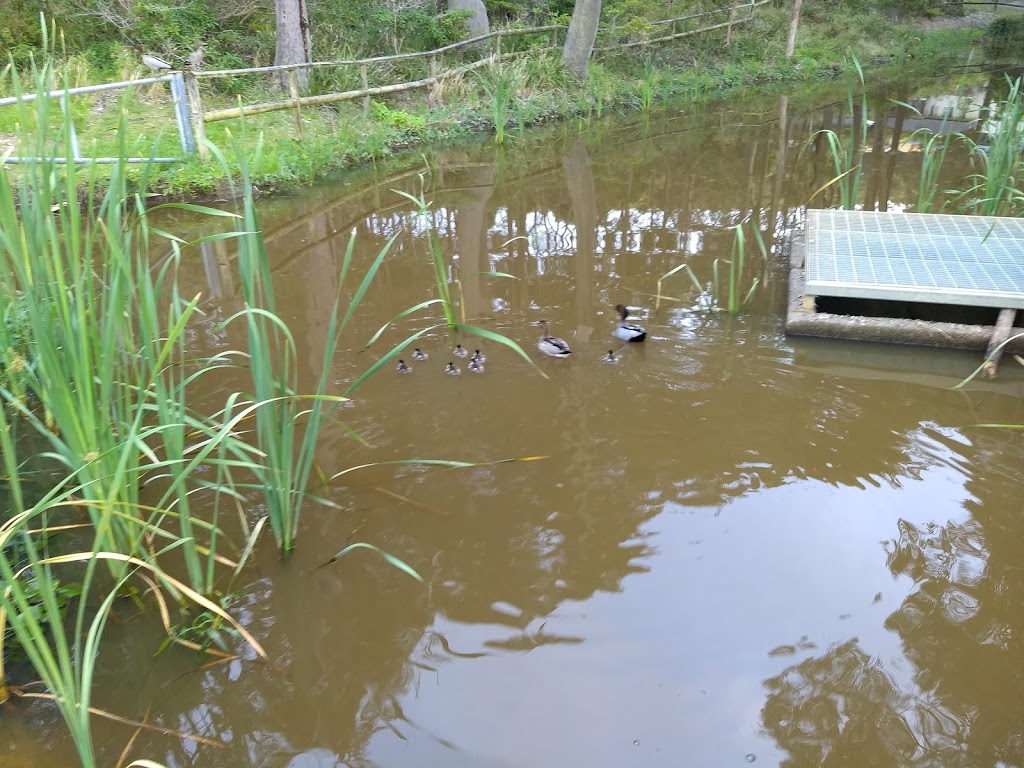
(889, 330)
(1001, 332)
(330, 98)
(365, 80)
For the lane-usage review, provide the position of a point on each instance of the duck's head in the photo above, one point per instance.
(623, 312)
(540, 323)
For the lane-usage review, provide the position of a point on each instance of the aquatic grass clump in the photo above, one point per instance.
(997, 189)
(737, 261)
(501, 84)
(647, 85)
(107, 337)
(847, 156)
(288, 423)
(707, 296)
(444, 277)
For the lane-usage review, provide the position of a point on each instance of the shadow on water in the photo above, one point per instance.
(708, 519)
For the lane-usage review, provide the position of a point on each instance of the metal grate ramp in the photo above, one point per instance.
(932, 258)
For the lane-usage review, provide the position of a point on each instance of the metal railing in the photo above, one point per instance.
(191, 116)
(181, 112)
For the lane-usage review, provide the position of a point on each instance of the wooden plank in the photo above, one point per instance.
(1001, 332)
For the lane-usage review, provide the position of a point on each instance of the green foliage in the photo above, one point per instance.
(396, 118)
(1005, 36)
(367, 26)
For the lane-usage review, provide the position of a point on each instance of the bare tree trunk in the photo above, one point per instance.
(477, 24)
(293, 45)
(579, 40)
(794, 24)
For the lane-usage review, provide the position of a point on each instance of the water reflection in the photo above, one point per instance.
(951, 697)
(709, 508)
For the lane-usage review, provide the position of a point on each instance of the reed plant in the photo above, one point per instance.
(735, 298)
(737, 262)
(647, 86)
(997, 188)
(288, 423)
(500, 83)
(451, 303)
(847, 153)
(108, 341)
(934, 147)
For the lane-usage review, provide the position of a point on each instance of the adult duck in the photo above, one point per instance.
(551, 345)
(627, 331)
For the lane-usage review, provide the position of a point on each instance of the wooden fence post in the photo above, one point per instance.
(293, 89)
(728, 29)
(364, 78)
(432, 98)
(195, 107)
(497, 46)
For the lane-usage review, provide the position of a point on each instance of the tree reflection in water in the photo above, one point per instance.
(955, 699)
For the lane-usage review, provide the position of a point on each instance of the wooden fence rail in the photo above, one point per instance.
(737, 14)
(192, 117)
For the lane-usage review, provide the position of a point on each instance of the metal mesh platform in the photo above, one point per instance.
(933, 258)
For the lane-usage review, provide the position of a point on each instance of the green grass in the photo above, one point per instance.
(531, 89)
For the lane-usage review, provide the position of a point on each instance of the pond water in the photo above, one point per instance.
(739, 548)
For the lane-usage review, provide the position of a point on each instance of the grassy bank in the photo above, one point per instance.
(504, 98)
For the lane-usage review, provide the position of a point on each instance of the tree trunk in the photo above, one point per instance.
(579, 41)
(476, 24)
(794, 24)
(293, 46)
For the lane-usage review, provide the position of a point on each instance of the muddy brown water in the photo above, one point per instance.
(739, 548)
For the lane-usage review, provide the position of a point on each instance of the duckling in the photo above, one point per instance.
(478, 357)
(475, 366)
(611, 358)
(451, 370)
(403, 367)
(419, 354)
(551, 345)
(627, 331)
(460, 351)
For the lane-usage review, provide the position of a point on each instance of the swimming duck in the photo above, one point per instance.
(611, 358)
(403, 367)
(627, 331)
(478, 357)
(419, 354)
(460, 351)
(475, 366)
(551, 345)
(451, 370)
